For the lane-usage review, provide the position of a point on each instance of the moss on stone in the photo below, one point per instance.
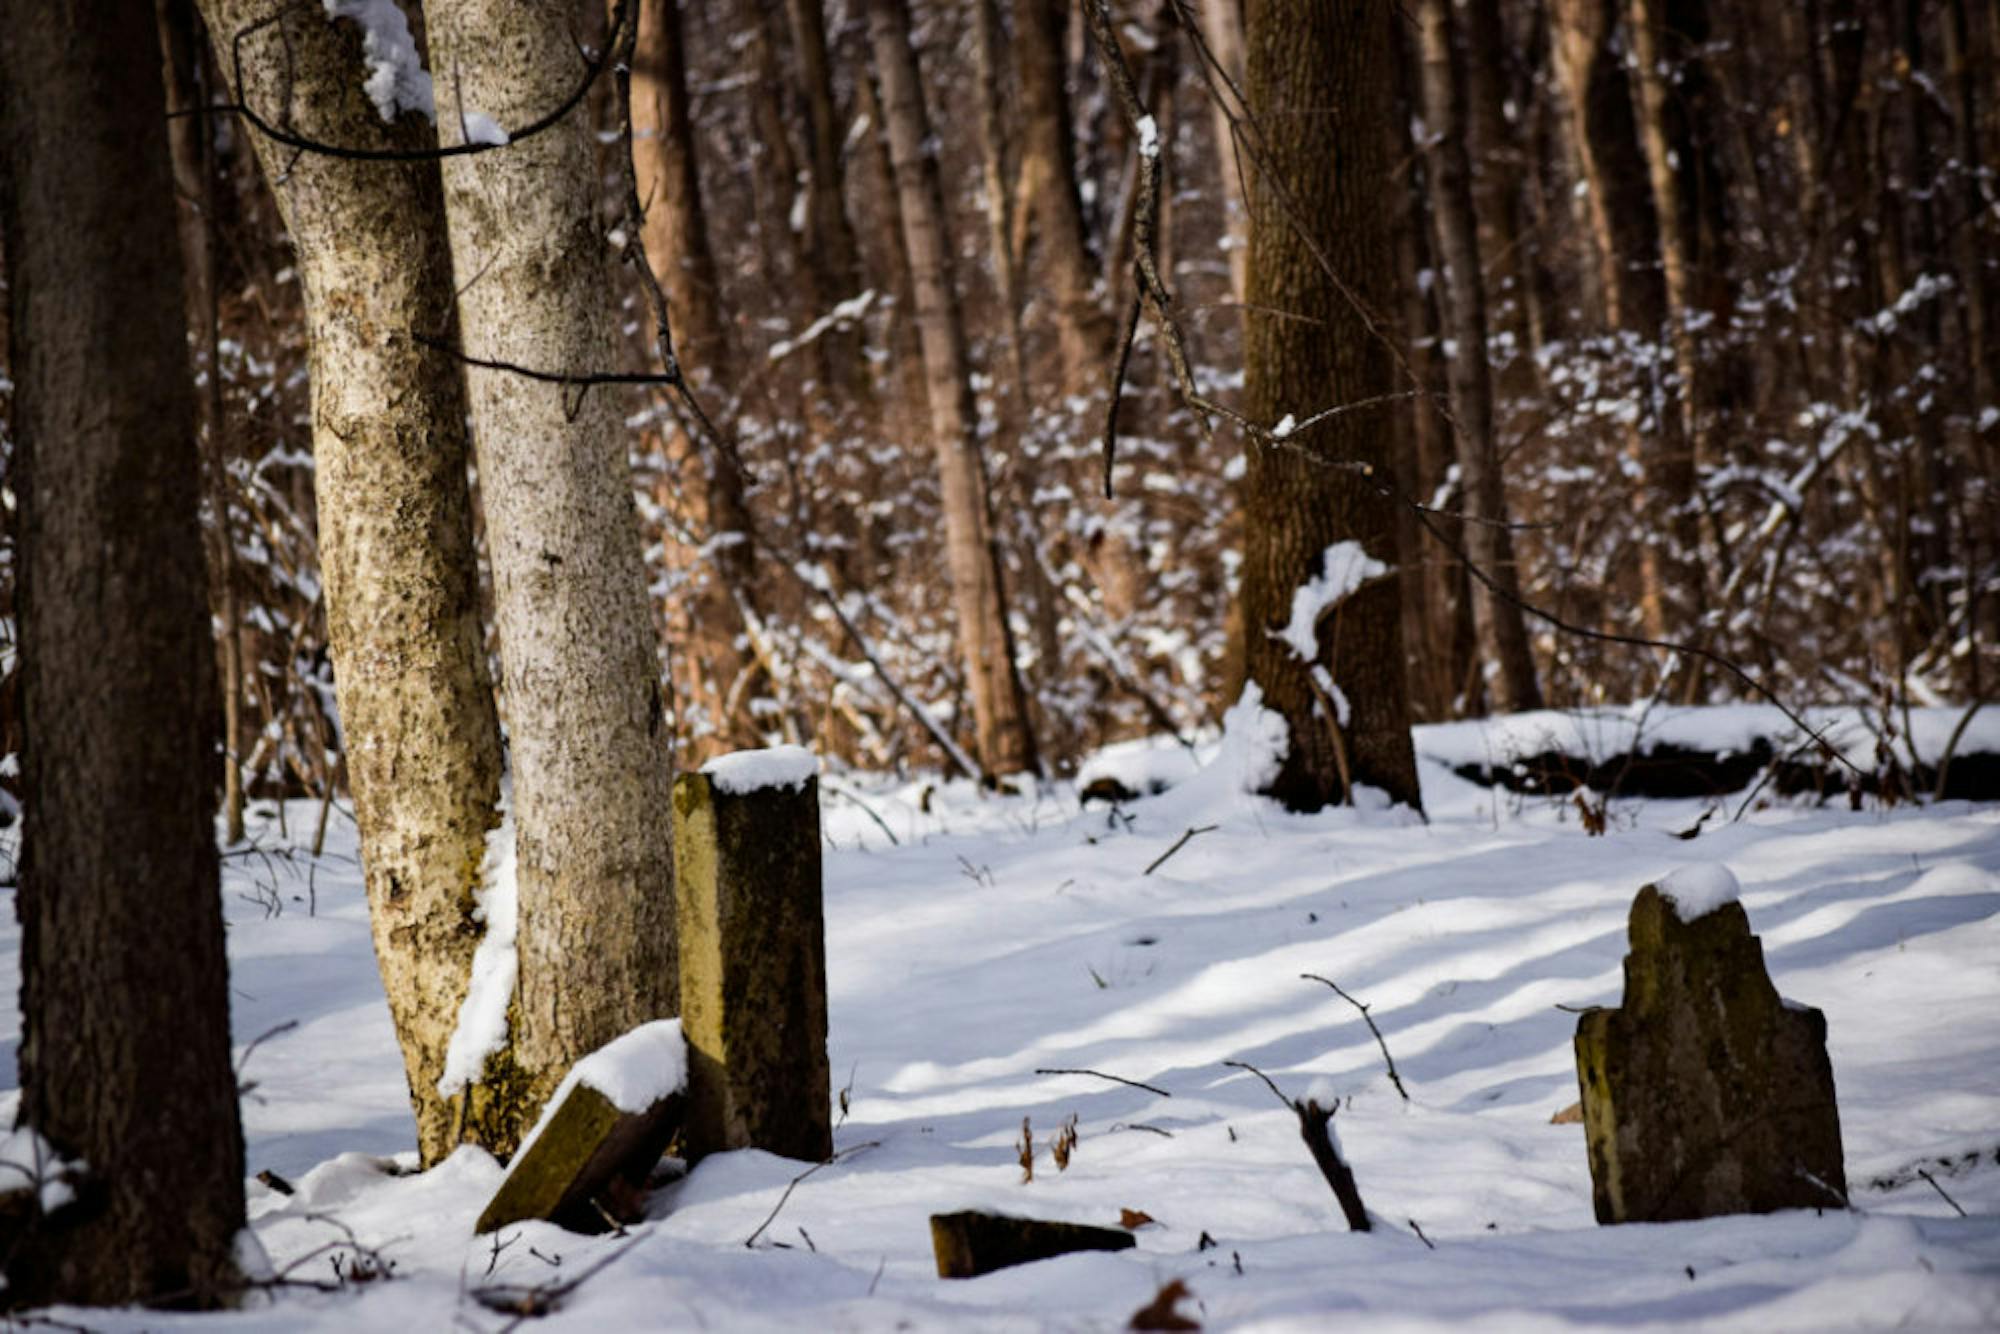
(1705, 1092)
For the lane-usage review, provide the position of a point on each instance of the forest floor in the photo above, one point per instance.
(1001, 936)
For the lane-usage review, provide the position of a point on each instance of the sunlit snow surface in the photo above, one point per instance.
(1005, 935)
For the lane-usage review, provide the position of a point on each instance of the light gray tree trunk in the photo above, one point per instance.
(395, 525)
(577, 649)
(1006, 741)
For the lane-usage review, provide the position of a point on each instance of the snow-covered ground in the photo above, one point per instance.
(1000, 936)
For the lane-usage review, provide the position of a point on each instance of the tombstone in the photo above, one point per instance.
(585, 1164)
(1706, 1092)
(753, 954)
(972, 1243)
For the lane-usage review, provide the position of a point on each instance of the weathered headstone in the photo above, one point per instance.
(753, 954)
(585, 1164)
(1705, 1092)
(971, 1243)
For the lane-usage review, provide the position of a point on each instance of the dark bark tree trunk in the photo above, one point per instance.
(1498, 163)
(1677, 127)
(1503, 634)
(192, 140)
(1627, 230)
(829, 235)
(1318, 203)
(125, 1056)
(999, 704)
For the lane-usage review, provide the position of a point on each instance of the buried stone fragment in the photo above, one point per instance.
(972, 1243)
(584, 1165)
(1705, 1092)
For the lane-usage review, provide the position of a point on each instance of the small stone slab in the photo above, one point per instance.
(972, 1243)
(1705, 1092)
(587, 1168)
(752, 942)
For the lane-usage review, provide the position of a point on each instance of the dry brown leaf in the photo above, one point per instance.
(1134, 1219)
(1160, 1313)
(1064, 1143)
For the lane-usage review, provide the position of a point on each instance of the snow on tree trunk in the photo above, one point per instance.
(395, 524)
(125, 1059)
(591, 782)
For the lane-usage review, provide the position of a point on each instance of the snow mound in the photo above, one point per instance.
(1254, 743)
(746, 771)
(1699, 889)
(633, 1072)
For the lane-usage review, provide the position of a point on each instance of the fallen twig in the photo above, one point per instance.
(1941, 1191)
(1116, 1079)
(524, 1303)
(1141, 1125)
(793, 1185)
(1179, 843)
(1368, 1019)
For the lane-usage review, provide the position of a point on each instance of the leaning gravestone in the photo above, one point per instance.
(1706, 1092)
(753, 954)
(584, 1165)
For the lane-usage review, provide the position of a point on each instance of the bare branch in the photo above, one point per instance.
(1368, 1019)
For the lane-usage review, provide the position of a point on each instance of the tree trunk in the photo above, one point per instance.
(1317, 205)
(577, 649)
(1626, 226)
(676, 235)
(1437, 621)
(1497, 165)
(125, 1054)
(1222, 30)
(395, 527)
(1675, 99)
(1048, 185)
(999, 705)
(997, 185)
(191, 138)
(829, 236)
(1503, 635)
